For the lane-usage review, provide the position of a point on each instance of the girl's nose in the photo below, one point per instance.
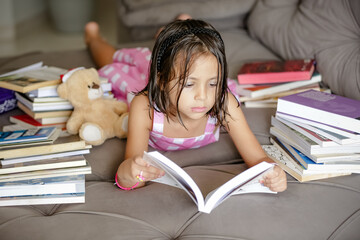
(201, 93)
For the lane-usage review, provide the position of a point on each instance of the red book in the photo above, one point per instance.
(276, 71)
(27, 121)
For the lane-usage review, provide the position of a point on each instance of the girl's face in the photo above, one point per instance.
(198, 95)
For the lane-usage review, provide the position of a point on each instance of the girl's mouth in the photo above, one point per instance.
(198, 109)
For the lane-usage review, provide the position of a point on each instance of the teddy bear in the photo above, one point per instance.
(94, 118)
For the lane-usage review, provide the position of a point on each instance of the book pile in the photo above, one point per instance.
(316, 135)
(35, 91)
(44, 174)
(262, 83)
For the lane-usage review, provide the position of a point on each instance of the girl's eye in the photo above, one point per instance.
(213, 84)
(189, 84)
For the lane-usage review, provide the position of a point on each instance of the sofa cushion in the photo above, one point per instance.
(241, 48)
(328, 31)
(143, 18)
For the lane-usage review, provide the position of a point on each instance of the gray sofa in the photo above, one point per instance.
(252, 30)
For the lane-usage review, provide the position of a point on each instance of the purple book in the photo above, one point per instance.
(7, 100)
(322, 107)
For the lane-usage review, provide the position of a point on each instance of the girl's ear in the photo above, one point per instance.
(62, 91)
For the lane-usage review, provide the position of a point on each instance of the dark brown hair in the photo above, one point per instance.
(174, 51)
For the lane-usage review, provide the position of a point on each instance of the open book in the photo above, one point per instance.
(245, 182)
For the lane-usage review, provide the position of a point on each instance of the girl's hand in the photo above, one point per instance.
(275, 180)
(136, 169)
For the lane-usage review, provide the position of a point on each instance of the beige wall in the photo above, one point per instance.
(16, 14)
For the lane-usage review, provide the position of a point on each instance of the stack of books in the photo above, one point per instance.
(35, 89)
(31, 78)
(262, 83)
(44, 174)
(316, 135)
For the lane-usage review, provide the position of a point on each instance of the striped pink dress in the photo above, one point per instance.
(158, 141)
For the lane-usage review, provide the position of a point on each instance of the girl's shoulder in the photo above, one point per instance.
(140, 100)
(140, 110)
(232, 103)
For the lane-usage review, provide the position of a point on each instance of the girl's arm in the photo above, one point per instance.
(139, 127)
(248, 146)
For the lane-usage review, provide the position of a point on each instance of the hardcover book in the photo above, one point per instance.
(46, 114)
(264, 90)
(26, 121)
(60, 145)
(245, 182)
(47, 173)
(53, 163)
(309, 147)
(326, 108)
(276, 71)
(33, 79)
(308, 164)
(355, 137)
(16, 160)
(43, 106)
(43, 199)
(42, 186)
(49, 91)
(315, 137)
(28, 135)
(336, 137)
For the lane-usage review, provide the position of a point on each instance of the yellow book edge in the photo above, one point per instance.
(44, 149)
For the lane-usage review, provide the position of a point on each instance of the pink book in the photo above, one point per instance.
(276, 71)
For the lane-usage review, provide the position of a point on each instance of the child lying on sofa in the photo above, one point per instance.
(182, 99)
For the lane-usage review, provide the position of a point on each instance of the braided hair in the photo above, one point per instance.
(174, 51)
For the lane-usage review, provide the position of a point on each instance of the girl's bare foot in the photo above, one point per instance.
(92, 32)
(101, 51)
(182, 16)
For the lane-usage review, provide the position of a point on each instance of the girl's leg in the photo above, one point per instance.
(101, 51)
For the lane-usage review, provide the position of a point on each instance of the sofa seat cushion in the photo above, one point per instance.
(314, 210)
(328, 31)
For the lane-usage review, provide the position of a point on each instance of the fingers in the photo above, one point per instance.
(142, 169)
(275, 180)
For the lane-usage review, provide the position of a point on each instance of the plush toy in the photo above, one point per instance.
(94, 118)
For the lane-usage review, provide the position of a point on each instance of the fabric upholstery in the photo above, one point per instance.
(323, 209)
(327, 30)
(143, 18)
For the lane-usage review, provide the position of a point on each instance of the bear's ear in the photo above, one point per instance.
(61, 89)
(94, 71)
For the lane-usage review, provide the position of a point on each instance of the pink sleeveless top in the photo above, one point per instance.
(158, 141)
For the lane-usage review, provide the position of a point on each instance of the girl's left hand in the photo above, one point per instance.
(275, 180)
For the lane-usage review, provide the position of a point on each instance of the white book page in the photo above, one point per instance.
(229, 188)
(24, 69)
(175, 176)
(45, 73)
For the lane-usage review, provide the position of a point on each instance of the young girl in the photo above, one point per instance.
(184, 102)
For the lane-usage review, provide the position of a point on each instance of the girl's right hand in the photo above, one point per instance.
(133, 167)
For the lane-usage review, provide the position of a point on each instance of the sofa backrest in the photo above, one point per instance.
(327, 30)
